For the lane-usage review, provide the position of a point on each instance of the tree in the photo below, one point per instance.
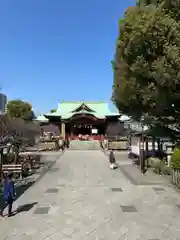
(20, 109)
(145, 2)
(147, 62)
(53, 110)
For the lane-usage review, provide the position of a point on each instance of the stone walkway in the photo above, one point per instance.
(81, 198)
(133, 173)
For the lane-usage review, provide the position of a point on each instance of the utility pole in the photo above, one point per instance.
(142, 160)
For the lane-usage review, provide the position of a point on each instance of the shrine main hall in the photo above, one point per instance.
(75, 119)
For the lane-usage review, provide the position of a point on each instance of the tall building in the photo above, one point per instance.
(3, 102)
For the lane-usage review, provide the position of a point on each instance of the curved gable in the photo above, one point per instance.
(83, 107)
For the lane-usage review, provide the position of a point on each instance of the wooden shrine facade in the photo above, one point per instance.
(84, 121)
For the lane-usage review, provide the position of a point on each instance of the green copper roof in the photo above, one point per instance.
(67, 109)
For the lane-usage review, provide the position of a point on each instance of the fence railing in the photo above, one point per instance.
(116, 138)
(176, 177)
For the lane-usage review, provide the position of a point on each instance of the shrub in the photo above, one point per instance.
(10, 157)
(156, 163)
(25, 170)
(175, 159)
(166, 170)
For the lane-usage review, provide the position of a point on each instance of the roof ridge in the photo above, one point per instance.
(77, 101)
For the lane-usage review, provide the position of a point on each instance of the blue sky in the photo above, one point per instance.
(52, 50)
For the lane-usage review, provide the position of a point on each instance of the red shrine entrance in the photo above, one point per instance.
(85, 127)
(81, 129)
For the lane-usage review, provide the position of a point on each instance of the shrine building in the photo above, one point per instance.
(82, 118)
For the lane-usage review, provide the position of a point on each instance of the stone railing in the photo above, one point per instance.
(48, 145)
(116, 143)
(176, 177)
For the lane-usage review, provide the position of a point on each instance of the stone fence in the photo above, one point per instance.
(176, 177)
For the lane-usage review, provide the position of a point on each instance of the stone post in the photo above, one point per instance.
(63, 130)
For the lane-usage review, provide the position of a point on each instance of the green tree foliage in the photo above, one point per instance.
(20, 109)
(147, 61)
(53, 110)
(175, 159)
(145, 2)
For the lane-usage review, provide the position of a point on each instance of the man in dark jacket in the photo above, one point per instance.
(9, 193)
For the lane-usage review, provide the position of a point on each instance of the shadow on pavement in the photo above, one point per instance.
(19, 191)
(22, 208)
(26, 207)
(22, 188)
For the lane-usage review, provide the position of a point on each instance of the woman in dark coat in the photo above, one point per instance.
(112, 160)
(111, 157)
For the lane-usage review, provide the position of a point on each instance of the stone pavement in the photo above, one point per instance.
(47, 159)
(81, 198)
(133, 173)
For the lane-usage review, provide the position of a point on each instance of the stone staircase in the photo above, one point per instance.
(84, 145)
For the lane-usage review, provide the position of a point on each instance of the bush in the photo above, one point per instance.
(10, 157)
(25, 170)
(175, 159)
(154, 162)
(159, 166)
(166, 170)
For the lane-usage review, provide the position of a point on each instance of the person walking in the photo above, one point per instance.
(9, 193)
(112, 160)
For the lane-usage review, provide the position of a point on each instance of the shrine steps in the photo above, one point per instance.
(84, 145)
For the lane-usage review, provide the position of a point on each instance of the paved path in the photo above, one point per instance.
(133, 173)
(85, 201)
(47, 159)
